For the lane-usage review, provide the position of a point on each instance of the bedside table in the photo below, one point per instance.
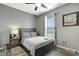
(14, 43)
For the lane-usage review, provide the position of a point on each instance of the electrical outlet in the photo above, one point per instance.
(64, 43)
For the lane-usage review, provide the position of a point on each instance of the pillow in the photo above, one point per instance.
(33, 34)
(26, 34)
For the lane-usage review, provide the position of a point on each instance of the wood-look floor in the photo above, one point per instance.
(53, 52)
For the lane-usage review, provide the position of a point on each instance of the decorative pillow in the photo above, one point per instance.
(26, 35)
(33, 34)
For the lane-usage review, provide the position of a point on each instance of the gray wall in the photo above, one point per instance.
(12, 17)
(68, 34)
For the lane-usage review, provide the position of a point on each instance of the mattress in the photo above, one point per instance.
(35, 42)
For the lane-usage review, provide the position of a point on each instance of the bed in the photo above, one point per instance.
(34, 44)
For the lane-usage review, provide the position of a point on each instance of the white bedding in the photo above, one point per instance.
(35, 43)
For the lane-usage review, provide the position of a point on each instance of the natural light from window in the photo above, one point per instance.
(49, 26)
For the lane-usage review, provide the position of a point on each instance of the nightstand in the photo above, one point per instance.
(14, 38)
(14, 43)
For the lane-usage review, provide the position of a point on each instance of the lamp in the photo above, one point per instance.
(14, 34)
(14, 31)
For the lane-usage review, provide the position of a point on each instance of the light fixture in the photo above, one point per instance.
(38, 4)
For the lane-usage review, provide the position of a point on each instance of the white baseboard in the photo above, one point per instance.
(69, 50)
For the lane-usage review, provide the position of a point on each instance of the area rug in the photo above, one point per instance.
(18, 51)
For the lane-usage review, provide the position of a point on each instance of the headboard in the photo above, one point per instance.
(26, 30)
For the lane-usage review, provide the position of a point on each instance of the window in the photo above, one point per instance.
(49, 26)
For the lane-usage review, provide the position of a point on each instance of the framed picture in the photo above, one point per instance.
(70, 19)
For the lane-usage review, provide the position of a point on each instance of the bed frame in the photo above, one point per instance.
(40, 51)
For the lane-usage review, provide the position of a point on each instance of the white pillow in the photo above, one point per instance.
(26, 35)
(33, 34)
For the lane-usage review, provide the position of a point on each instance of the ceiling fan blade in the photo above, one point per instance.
(36, 8)
(43, 6)
(29, 3)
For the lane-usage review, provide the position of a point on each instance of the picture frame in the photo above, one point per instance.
(70, 19)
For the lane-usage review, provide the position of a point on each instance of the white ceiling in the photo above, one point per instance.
(29, 8)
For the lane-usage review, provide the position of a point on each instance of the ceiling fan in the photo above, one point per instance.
(38, 5)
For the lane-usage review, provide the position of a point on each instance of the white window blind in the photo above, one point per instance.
(50, 26)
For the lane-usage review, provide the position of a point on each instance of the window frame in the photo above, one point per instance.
(46, 30)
